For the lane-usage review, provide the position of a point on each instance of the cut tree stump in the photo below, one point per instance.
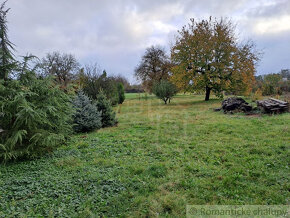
(273, 105)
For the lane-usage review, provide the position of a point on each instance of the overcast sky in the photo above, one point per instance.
(115, 33)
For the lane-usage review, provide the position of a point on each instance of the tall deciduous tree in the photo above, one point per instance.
(207, 56)
(61, 66)
(7, 61)
(154, 66)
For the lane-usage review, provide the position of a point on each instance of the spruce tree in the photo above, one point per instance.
(121, 93)
(7, 61)
(86, 117)
(108, 115)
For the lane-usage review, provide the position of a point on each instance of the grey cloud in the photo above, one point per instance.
(273, 8)
(115, 33)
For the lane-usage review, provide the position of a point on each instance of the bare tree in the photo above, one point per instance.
(93, 81)
(154, 67)
(123, 80)
(61, 66)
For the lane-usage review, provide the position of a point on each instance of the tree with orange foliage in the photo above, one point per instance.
(207, 56)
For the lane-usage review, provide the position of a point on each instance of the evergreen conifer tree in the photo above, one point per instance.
(104, 106)
(86, 117)
(121, 93)
(7, 61)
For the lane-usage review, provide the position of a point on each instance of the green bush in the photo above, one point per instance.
(121, 93)
(35, 116)
(86, 117)
(164, 90)
(104, 106)
(93, 83)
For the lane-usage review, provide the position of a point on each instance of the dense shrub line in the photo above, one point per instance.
(39, 107)
(274, 83)
(93, 82)
(36, 115)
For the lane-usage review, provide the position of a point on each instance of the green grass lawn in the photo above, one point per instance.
(156, 161)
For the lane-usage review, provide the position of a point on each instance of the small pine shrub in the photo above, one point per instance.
(105, 107)
(35, 116)
(121, 93)
(86, 117)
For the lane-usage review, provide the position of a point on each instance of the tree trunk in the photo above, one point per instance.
(165, 100)
(207, 93)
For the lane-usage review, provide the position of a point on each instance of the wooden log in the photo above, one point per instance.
(281, 102)
(273, 105)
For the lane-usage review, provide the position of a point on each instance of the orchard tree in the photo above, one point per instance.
(154, 67)
(7, 61)
(208, 57)
(164, 90)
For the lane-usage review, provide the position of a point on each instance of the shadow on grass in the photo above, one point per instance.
(142, 98)
(191, 102)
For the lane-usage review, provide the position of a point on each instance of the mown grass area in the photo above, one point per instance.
(158, 159)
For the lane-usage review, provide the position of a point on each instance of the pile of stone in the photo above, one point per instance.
(273, 105)
(235, 104)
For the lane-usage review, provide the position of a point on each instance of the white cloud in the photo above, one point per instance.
(272, 25)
